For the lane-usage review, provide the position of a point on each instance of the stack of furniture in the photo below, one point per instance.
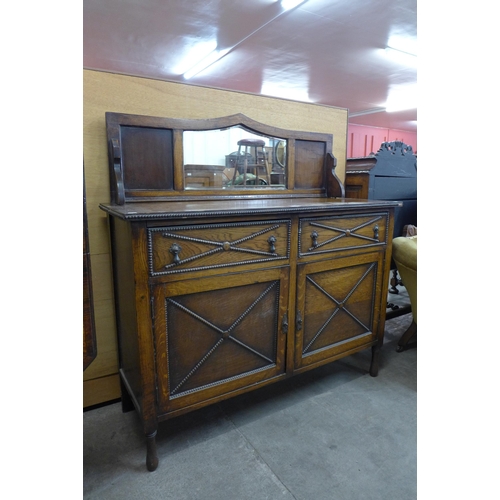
(224, 290)
(390, 174)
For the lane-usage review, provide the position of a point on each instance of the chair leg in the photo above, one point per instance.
(406, 337)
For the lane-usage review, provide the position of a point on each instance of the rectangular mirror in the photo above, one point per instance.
(233, 158)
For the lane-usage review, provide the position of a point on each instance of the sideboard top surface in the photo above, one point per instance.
(207, 208)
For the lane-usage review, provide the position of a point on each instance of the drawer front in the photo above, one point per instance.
(320, 235)
(180, 249)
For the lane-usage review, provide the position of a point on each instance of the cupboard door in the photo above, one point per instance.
(338, 304)
(217, 335)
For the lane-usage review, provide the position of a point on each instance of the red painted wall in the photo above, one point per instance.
(363, 140)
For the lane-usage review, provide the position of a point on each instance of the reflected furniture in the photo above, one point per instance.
(405, 257)
(254, 158)
(220, 291)
(204, 175)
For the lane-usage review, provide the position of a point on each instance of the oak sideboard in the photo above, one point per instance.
(221, 288)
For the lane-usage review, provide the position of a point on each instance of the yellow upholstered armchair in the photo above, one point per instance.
(404, 253)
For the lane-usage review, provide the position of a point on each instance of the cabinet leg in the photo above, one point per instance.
(151, 455)
(374, 363)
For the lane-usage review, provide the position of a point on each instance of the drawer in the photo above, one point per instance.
(320, 235)
(179, 249)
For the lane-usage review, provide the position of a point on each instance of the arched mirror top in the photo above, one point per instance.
(160, 159)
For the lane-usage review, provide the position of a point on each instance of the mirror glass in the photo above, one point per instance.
(233, 158)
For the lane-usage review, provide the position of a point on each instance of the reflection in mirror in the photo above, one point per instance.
(233, 158)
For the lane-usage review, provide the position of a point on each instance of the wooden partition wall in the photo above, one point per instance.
(124, 94)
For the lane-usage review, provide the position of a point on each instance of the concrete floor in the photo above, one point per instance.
(333, 433)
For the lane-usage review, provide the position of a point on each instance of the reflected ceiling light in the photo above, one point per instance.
(401, 56)
(402, 50)
(402, 98)
(406, 44)
(290, 4)
(206, 60)
(214, 56)
(297, 92)
(196, 53)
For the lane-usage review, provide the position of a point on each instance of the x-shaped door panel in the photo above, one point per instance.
(214, 336)
(335, 306)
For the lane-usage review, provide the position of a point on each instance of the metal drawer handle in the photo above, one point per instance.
(272, 240)
(375, 232)
(314, 237)
(176, 249)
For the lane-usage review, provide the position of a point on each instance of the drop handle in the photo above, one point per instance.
(272, 244)
(298, 321)
(314, 240)
(176, 249)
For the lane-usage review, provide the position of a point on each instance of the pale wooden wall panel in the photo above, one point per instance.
(106, 362)
(123, 94)
(101, 390)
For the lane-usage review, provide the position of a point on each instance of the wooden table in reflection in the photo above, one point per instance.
(196, 176)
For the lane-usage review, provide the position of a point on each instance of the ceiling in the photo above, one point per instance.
(328, 52)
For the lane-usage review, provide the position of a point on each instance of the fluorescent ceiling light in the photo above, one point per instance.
(290, 4)
(402, 50)
(401, 98)
(197, 51)
(401, 57)
(206, 62)
(392, 50)
(407, 44)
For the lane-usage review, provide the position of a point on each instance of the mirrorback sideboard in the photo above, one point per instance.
(222, 288)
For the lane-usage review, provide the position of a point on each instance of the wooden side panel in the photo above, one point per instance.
(309, 164)
(152, 149)
(356, 185)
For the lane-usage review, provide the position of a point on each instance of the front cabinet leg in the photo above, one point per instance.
(375, 359)
(151, 455)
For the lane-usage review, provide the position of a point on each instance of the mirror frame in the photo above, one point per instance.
(146, 159)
